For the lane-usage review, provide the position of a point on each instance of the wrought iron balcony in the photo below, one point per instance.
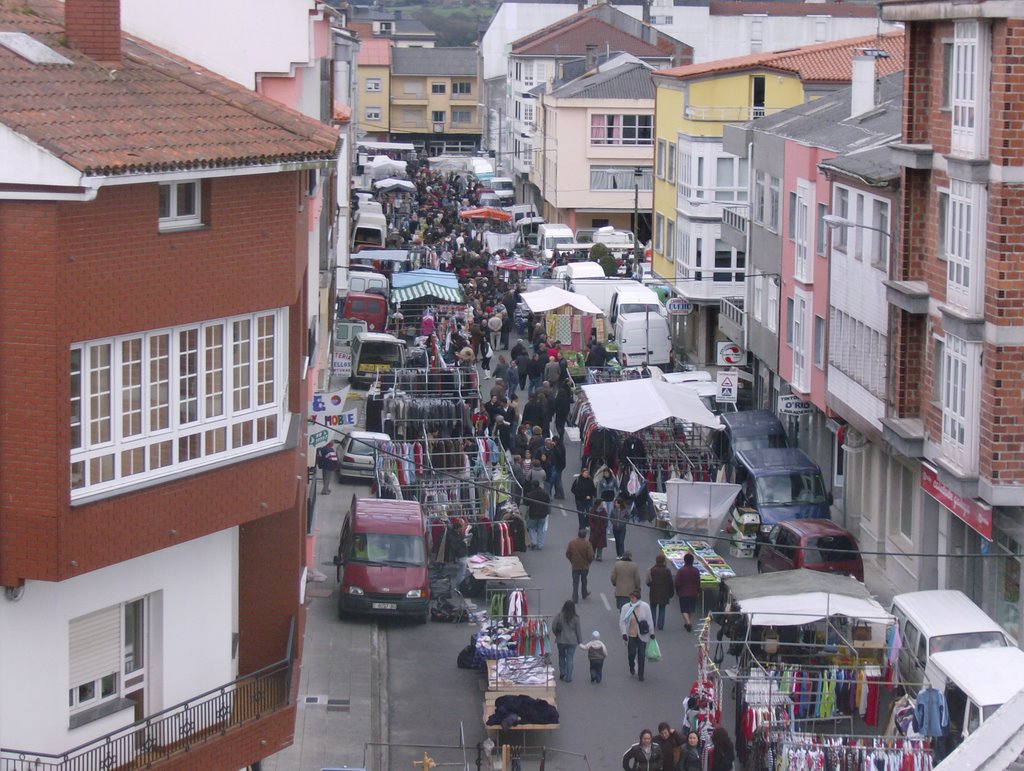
(731, 320)
(177, 729)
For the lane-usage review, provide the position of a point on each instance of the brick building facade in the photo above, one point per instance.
(153, 325)
(958, 341)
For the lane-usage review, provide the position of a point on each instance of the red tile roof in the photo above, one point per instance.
(156, 112)
(822, 62)
(571, 36)
(374, 52)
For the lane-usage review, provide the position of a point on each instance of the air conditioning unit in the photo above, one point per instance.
(438, 126)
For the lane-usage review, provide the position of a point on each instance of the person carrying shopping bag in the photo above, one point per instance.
(637, 627)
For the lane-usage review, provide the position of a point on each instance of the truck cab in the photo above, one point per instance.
(781, 484)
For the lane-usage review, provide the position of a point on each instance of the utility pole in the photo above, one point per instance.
(638, 174)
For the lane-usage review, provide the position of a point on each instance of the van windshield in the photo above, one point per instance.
(966, 641)
(552, 242)
(369, 236)
(758, 442)
(387, 549)
(380, 353)
(784, 489)
(640, 308)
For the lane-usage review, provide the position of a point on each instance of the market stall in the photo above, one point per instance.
(568, 317)
(811, 651)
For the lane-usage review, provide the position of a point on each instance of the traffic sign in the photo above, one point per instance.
(794, 405)
(730, 354)
(727, 382)
(677, 306)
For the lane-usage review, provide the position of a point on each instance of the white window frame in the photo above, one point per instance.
(757, 297)
(803, 262)
(670, 240)
(734, 187)
(819, 342)
(372, 113)
(760, 196)
(171, 218)
(773, 216)
(841, 208)
(772, 312)
(961, 404)
(801, 344)
(200, 405)
(374, 85)
(659, 233)
(462, 117)
(969, 102)
(881, 238)
(659, 161)
(438, 88)
(527, 112)
(965, 246)
(670, 172)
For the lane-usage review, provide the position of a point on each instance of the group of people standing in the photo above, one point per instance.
(669, 751)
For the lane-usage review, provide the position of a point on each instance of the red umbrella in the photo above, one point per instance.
(486, 213)
(516, 263)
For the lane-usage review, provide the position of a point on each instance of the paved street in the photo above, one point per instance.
(377, 693)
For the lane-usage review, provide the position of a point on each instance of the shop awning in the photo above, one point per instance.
(632, 405)
(793, 597)
(399, 280)
(391, 184)
(485, 213)
(551, 297)
(426, 289)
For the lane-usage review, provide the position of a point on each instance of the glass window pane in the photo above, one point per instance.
(159, 382)
(131, 387)
(133, 461)
(241, 365)
(214, 371)
(165, 201)
(188, 376)
(186, 199)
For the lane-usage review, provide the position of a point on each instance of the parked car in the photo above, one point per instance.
(356, 454)
(814, 544)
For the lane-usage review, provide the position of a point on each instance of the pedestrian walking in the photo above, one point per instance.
(661, 591)
(688, 589)
(690, 759)
(580, 554)
(486, 352)
(722, 752)
(583, 493)
(494, 328)
(619, 519)
(566, 629)
(671, 743)
(607, 489)
(598, 523)
(645, 755)
(538, 506)
(563, 403)
(625, 577)
(458, 551)
(637, 627)
(327, 462)
(556, 452)
(596, 654)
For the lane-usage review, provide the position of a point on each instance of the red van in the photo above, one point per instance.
(382, 560)
(371, 308)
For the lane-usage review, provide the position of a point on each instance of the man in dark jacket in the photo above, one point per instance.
(556, 451)
(533, 412)
(598, 356)
(535, 372)
(538, 506)
(522, 368)
(584, 492)
(688, 589)
(563, 403)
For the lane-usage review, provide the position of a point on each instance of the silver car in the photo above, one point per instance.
(357, 454)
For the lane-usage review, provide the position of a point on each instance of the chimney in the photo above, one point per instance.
(647, 12)
(94, 28)
(591, 60)
(863, 91)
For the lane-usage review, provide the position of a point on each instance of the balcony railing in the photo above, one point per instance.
(727, 114)
(736, 217)
(730, 319)
(176, 729)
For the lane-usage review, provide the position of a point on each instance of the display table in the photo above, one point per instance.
(484, 568)
(711, 566)
(531, 675)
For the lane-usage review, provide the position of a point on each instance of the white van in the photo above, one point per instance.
(577, 270)
(369, 229)
(504, 188)
(643, 337)
(634, 299)
(365, 282)
(975, 683)
(552, 235)
(374, 353)
(481, 168)
(936, 621)
(619, 242)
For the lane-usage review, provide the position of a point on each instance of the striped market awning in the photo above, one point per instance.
(426, 289)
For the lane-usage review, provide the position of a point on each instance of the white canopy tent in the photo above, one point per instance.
(392, 184)
(381, 166)
(552, 297)
(796, 609)
(699, 506)
(632, 405)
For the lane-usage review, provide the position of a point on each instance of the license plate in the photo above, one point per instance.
(385, 606)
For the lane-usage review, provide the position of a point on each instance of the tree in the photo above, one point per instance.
(599, 253)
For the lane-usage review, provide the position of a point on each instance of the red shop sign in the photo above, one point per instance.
(975, 515)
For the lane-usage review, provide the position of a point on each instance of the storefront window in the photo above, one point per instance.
(1008, 584)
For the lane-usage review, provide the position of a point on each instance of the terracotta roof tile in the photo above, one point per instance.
(572, 36)
(374, 52)
(155, 112)
(830, 62)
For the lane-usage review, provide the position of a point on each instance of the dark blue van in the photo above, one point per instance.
(783, 483)
(746, 431)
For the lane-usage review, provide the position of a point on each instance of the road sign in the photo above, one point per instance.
(677, 306)
(727, 383)
(730, 355)
(794, 405)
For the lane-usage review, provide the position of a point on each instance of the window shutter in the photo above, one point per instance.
(95, 646)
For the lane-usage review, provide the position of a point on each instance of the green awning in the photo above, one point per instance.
(426, 289)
